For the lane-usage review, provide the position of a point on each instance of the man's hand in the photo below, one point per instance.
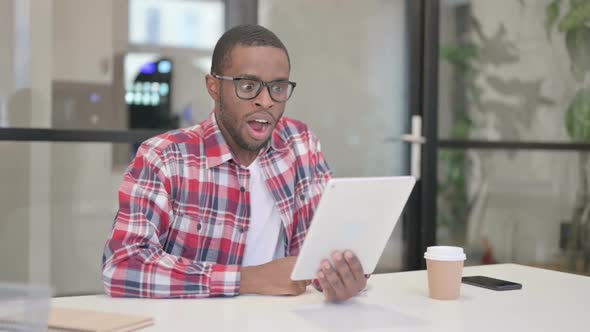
(272, 278)
(343, 280)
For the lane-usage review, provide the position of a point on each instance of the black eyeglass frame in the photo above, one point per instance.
(237, 80)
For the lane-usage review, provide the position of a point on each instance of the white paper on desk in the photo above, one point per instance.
(355, 316)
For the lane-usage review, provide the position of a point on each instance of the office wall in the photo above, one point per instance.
(83, 40)
(52, 194)
(6, 53)
(25, 100)
(349, 60)
(83, 204)
(59, 199)
(84, 180)
(14, 225)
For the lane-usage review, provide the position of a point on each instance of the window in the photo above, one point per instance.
(176, 23)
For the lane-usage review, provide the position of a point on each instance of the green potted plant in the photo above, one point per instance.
(575, 24)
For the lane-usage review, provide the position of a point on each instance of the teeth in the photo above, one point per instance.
(261, 121)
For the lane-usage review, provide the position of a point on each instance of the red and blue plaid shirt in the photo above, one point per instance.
(184, 210)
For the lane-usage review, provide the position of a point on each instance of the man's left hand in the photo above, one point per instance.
(343, 280)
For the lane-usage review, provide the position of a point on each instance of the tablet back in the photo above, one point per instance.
(356, 214)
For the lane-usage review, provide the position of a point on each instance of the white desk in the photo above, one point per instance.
(549, 301)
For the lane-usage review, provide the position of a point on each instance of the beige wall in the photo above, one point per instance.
(58, 199)
(6, 49)
(14, 226)
(24, 240)
(348, 58)
(83, 205)
(65, 198)
(83, 40)
(83, 180)
(14, 222)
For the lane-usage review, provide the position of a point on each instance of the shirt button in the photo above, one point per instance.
(242, 189)
(241, 229)
(198, 227)
(302, 197)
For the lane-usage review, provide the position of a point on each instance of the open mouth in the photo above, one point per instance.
(259, 128)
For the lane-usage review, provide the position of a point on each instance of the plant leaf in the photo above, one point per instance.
(576, 18)
(551, 15)
(576, 3)
(462, 126)
(459, 56)
(577, 117)
(577, 42)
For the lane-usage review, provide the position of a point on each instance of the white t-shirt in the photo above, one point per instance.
(263, 239)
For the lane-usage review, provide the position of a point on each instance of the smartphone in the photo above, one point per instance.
(491, 283)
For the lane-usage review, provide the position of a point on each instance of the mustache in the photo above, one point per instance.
(265, 111)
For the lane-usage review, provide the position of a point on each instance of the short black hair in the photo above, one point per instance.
(243, 35)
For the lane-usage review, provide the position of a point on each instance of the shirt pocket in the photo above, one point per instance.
(184, 238)
(195, 238)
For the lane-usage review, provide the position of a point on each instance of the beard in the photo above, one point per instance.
(230, 124)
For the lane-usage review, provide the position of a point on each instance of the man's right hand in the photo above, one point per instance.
(272, 278)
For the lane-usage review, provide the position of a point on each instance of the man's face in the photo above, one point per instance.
(248, 124)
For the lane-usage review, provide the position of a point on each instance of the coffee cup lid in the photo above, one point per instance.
(445, 253)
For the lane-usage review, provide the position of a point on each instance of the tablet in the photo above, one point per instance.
(356, 214)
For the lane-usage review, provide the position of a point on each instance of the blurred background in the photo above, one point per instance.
(502, 89)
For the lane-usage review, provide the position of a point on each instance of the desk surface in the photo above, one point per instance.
(549, 301)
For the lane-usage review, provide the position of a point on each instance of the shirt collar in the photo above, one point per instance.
(217, 150)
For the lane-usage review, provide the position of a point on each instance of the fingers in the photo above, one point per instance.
(348, 280)
(337, 290)
(343, 280)
(357, 270)
(329, 292)
(332, 277)
(355, 266)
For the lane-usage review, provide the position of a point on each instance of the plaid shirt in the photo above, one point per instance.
(184, 210)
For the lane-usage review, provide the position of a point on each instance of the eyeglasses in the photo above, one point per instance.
(248, 88)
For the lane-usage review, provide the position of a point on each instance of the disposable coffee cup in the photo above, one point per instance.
(445, 267)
